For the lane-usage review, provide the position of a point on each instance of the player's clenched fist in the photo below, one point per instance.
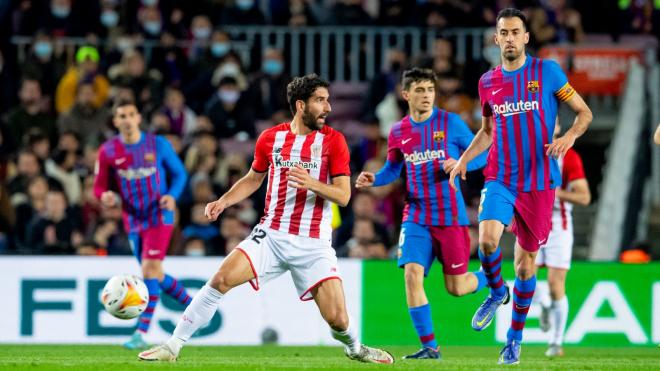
(214, 209)
(365, 179)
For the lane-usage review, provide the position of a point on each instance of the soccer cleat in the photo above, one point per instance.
(370, 355)
(544, 318)
(425, 353)
(510, 354)
(555, 350)
(135, 342)
(158, 353)
(486, 311)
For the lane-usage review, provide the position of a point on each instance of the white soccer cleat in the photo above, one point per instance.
(370, 355)
(158, 353)
(554, 351)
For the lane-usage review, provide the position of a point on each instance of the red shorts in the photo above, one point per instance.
(151, 243)
(532, 219)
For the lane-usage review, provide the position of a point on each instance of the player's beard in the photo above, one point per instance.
(311, 121)
(512, 55)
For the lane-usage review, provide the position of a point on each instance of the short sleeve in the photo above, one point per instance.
(261, 153)
(559, 84)
(486, 110)
(573, 169)
(339, 156)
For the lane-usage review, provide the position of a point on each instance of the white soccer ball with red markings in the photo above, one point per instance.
(125, 296)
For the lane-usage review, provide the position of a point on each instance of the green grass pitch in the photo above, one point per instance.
(104, 357)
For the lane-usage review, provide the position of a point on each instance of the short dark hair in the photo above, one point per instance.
(511, 13)
(301, 88)
(417, 74)
(122, 102)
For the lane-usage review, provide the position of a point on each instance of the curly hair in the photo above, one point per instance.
(417, 74)
(301, 88)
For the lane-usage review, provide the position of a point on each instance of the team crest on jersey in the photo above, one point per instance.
(533, 86)
(149, 156)
(439, 136)
(316, 150)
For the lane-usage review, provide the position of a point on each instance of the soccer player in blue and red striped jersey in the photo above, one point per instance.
(428, 141)
(519, 100)
(140, 164)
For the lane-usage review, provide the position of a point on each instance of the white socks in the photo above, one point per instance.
(349, 337)
(197, 314)
(558, 318)
(542, 295)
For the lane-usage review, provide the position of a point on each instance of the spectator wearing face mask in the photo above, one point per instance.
(200, 32)
(268, 88)
(242, 12)
(230, 114)
(62, 20)
(45, 64)
(150, 21)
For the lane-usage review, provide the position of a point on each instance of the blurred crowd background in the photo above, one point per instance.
(63, 62)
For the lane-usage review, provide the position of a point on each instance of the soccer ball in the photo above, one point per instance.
(125, 296)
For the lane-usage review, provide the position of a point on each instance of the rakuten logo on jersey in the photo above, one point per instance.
(510, 109)
(279, 162)
(421, 157)
(139, 173)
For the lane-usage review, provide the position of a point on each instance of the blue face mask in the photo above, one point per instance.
(109, 18)
(149, 2)
(201, 33)
(152, 27)
(60, 11)
(229, 96)
(244, 4)
(43, 49)
(273, 67)
(219, 49)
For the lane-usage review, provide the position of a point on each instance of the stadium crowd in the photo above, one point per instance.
(211, 105)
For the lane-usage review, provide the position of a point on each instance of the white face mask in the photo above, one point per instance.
(195, 252)
(230, 69)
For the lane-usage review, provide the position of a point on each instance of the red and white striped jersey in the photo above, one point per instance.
(571, 169)
(323, 153)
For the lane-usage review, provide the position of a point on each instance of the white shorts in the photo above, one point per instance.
(558, 251)
(271, 253)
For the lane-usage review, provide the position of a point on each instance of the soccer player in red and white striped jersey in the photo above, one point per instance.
(556, 253)
(307, 167)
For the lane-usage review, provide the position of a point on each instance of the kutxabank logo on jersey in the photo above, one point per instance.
(309, 165)
(515, 108)
(417, 157)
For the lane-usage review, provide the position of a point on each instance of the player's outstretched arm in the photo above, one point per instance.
(480, 143)
(339, 191)
(583, 118)
(577, 193)
(390, 172)
(241, 190)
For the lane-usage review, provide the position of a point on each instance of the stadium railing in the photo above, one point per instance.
(339, 54)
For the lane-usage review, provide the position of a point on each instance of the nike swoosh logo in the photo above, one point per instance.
(406, 141)
(496, 91)
(541, 242)
(120, 161)
(481, 323)
(513, 113)
(454, 266)
(153, 252)
(521, 308)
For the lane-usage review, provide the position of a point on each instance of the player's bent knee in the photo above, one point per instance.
(488, 244)
(219, 282)
(338, 320)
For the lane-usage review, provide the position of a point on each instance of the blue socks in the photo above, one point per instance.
(175, 289)
(421, 317)
(523, 291)
(154, 294)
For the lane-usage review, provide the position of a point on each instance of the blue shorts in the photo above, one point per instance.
(497, 203)
(422, 244)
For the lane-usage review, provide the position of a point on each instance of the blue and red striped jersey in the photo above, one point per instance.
(423, 147)
(141, 172)
(524, 105)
